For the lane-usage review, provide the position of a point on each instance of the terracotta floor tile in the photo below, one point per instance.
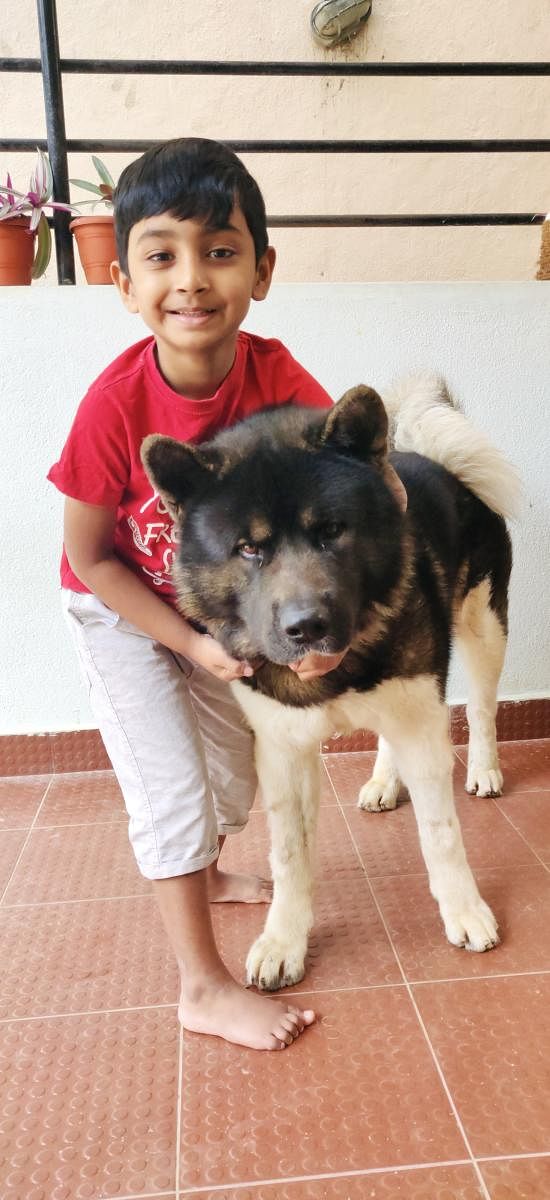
(348, 773)
(518, 1179)
(520, 899)
(529, 813)
(437, 1183)
(20, 799)
(76, 863)
(356, 1091)
(11, 844)
(81, 798)
(61, 958)
(491, 1037)
(89, 1106)
(348, 945)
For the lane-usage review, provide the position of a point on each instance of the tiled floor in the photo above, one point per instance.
(426, 1077)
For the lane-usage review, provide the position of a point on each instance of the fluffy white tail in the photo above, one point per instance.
(424, 418)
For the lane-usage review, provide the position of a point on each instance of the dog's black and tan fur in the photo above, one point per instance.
(294, 537)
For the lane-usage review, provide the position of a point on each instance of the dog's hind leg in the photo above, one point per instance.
(289, 779)
(382, 789)
(415, 720)
(481, 642)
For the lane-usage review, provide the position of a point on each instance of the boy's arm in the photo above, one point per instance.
(88, 537)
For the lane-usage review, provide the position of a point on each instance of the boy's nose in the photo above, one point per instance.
(191, 275)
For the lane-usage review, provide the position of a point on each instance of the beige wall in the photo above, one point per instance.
(156, 107)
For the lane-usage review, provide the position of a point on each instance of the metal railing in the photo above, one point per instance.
(53, 67)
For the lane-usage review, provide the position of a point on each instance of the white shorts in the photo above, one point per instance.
(179, 744)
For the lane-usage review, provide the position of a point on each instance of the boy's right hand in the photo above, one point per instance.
(208, 653)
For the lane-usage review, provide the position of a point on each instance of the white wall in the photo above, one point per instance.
(490, 340)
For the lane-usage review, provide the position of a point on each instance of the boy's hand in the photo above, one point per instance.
(208, 653)
(313, 665)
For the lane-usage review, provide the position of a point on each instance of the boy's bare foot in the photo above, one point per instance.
(224, 886)
(229, 1011)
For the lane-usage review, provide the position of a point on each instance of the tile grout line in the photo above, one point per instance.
(25, 843)
(518, 831)
(423, 1028)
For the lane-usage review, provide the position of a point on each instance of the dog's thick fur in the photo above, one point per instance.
(294, 538)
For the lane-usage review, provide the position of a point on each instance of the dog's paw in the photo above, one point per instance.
(484, 781)
(473, 926)
(273, 964)
(378, 795)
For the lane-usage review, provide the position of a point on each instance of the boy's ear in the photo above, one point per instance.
(124, 285)
(176, 470)
(264, 274)
(358, 426)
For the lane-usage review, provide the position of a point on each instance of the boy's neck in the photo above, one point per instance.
(196, 376)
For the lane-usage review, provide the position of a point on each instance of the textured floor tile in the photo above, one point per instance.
(60, 958)
(348, 946)
(348, 773)
(89, 1106)
(20, 799)
(438, 1183)
(76, 864)
(518, 1179)
(520, 899)
(357, 1090)
(530, 814)
(82, 798)
(11, 844)
(491, 1037)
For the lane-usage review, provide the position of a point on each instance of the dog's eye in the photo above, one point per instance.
(250, 551)
(330, 532)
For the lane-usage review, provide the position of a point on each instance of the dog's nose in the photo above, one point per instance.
(303, 623)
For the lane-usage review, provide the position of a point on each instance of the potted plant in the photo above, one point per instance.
(95, 234)
(25, 238)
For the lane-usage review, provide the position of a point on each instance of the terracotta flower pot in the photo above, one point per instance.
(16, 251)
(95, 238)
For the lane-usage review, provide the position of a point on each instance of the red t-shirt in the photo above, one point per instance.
(100, 463)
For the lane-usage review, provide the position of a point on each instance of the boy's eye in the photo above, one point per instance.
(159, 256)
(221, 252)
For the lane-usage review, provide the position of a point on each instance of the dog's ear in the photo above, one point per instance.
(176, 470)
(358, 426)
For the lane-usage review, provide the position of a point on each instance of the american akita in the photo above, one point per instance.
(294, 536)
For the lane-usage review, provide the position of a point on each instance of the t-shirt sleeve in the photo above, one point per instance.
(95, 461)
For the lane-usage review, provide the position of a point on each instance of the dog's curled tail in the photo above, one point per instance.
(423, 417)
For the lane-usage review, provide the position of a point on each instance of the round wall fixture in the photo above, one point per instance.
(336, 21)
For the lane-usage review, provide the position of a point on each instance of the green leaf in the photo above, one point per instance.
(102, 171)
(43, 248)
(90, 187)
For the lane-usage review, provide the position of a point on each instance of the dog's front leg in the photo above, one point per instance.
(289, 780)
(425, 761)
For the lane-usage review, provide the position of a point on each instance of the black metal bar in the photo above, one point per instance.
(132, 66)
(399, 220)
(57, 143)
(377, 146)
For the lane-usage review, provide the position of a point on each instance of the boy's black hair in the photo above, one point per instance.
(189, 178)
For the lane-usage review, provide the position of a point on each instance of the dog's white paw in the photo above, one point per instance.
(484, 781)
(273, 963)
(378, 795)
(472, 926)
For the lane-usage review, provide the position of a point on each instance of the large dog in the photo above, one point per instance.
(295, 536)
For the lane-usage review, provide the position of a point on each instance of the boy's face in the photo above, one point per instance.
(192, 285)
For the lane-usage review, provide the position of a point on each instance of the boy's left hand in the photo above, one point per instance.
(313, 665)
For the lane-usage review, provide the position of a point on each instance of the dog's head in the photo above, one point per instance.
(289, 526)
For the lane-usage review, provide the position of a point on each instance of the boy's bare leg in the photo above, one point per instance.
(211, 1001)
(228, 886)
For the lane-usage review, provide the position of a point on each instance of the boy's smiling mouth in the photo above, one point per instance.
(194, 315)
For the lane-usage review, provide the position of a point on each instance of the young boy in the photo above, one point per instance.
(193, 252)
